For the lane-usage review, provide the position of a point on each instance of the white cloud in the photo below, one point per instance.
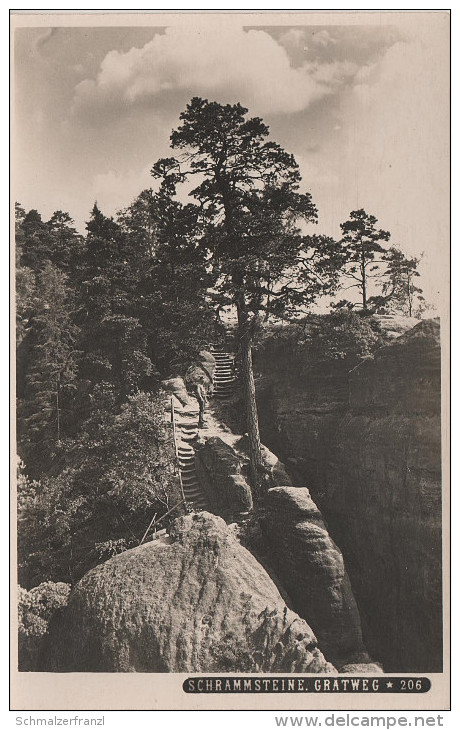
(397, 119)
(391, 153)
(323, 38)
(332, 75)
(293, 37)
(226, 63)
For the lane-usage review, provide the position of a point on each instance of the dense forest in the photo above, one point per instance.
(104, 317)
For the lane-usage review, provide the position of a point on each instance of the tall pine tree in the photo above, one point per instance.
(251, 210)
(364, 252)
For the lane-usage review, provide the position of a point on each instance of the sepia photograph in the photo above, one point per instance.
(230, 277)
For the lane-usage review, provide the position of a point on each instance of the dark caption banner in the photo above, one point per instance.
(256, 685)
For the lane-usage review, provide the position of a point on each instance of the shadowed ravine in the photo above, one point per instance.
(367, 444)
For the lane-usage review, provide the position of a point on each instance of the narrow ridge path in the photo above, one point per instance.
(186, 427)
(186, 421)
(224, 374)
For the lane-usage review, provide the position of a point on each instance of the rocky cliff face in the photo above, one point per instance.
(312, 570)
(192, 602)
(367, 443)
(294, 545)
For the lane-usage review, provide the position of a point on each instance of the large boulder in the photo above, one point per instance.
(192, 602)
(176, 387)
(311, 568)
(207, 362)
(202, 371)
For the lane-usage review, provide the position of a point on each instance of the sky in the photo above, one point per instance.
(364, 108)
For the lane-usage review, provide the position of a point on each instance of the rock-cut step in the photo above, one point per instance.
(224, 375)
(192, 490)
(188, 429)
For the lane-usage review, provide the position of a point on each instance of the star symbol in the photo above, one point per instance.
(389, 684)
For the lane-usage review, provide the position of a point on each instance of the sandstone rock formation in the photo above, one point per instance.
(394, 325)
(193, 602)
(176, 387)
(274, 471)
(311, 569)
(202, 371)
(207, 362)
(368, 444)
(218, 469)
(403, 377)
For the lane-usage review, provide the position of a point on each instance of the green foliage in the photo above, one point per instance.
(251, 210)
(140, 221)
(400, 290)
(19, 215)
(119, 472)
(35, 240)
(118, 310)
(49, 381)
(391, 274)
(110, 548)
(341, 335)
(25, 299)
(101, 319)
(35, 610)
(50, 512)
(114, 342)
(39, 243)
(171, 302)
(363, 252)
(67, 244)
(138, 473)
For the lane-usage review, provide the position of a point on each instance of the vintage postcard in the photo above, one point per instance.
(231, 280)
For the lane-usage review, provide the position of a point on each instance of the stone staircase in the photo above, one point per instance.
(192, 490)
(186, 421)
(186, 428)
(224, 374)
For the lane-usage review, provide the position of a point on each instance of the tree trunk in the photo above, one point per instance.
(249, 390)
(409, 295)
(364, 282)
(252, 419)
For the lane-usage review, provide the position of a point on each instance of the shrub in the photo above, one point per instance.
(35, 610)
